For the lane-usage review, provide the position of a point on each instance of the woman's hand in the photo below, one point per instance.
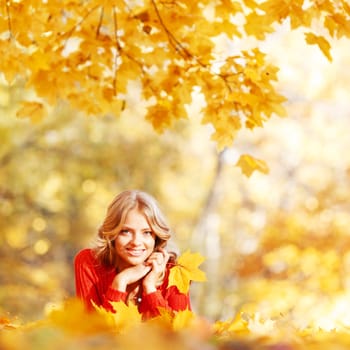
(157, 263)
(129, 276)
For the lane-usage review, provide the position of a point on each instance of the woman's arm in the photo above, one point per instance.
(91, 281)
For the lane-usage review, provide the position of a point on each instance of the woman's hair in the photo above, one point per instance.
(115, 218)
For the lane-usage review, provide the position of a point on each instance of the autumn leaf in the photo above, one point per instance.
(33, 110)
(164, 319)
(249, 164)
(258, 25)
(160, 116)
(186, 270)
(124, 318)
(182, 319)
(238, 325)
(321, 42)
(69, 316)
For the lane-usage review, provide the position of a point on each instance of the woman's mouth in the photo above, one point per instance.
(135, 252)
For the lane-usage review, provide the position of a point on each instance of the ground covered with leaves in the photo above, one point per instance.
(70, 327)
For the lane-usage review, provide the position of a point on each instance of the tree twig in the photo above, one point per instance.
(100, 22)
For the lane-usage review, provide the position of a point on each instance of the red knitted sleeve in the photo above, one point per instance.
(92, 284)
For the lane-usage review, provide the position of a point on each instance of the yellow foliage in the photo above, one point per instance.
(103, 45)
(226, 127)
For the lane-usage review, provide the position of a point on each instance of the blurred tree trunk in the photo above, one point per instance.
(206, 239)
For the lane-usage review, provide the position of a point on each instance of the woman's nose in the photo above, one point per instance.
(136, 238)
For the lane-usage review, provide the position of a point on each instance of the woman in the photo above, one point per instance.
(130, 262)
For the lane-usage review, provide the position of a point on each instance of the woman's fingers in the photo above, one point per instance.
(165, 253)
(161, 257)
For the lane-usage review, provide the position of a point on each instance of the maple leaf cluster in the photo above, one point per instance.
(87, 52)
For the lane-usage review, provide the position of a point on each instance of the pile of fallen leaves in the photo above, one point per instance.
(69, 326)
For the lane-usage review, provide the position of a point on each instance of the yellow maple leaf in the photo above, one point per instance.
(182, 319)
(186, 271)
(225, 124)
(238, 325)
(68, 317)
(36, 111)
(123, 319)
(160, 115)
(174, 321)
(321, 42)
(164, 319)
(258, 25)
(126, 316)
(248, 164)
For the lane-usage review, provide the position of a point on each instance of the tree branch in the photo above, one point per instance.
(172, 40)
(9, 24)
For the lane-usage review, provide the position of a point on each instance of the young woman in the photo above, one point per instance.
(130, 262)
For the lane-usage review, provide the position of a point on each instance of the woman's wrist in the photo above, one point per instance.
(149, 288)
(119, 285)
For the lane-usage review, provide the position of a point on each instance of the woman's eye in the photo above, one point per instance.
(124, 232)
(148, 232)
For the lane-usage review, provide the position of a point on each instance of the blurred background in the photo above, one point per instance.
(276, 245)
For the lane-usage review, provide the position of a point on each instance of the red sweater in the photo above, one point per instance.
(93, 283)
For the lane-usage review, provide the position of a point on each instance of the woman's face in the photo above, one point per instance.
(135, 241)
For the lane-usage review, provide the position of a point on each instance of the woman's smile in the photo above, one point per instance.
(135, 252)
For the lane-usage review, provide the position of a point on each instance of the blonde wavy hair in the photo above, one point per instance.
(115, 218)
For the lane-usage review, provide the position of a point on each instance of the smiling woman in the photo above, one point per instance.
(130, 262)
